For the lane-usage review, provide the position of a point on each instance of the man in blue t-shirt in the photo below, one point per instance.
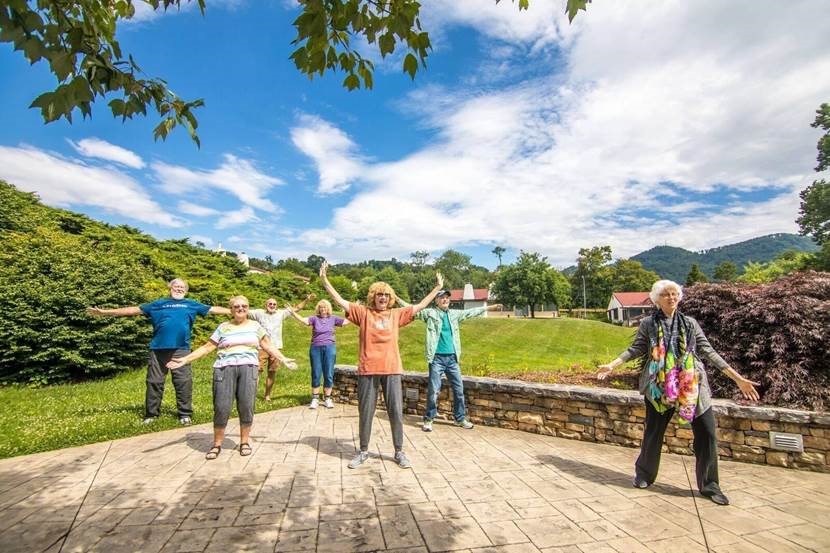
(172, 320)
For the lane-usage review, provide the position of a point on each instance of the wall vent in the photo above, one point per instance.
(786, 442)
(412, 394)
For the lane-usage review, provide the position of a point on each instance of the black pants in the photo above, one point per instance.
(157, 374)
(705, 447)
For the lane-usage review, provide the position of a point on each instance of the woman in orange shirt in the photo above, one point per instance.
(380, 359)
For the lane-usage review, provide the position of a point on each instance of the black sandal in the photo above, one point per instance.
(245, 449)
(213, 452)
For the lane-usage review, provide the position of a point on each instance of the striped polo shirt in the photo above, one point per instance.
(237, 344)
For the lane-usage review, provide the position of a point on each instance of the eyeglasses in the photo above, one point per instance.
(272, 305)
(239, 307)
(384, 294)
(669, 295)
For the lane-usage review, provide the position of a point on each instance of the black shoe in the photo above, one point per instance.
(640, 483)
(719, 498)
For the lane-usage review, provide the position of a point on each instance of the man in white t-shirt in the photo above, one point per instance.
(271, 320)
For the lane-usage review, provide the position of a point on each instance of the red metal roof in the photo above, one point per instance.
(633, 299)
(479, 294)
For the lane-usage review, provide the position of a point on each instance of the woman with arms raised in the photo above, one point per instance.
(379, 358)
(670, 346)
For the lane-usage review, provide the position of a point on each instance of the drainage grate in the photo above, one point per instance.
(786, 442)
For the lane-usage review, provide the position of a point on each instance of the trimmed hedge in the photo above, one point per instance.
(777, 334)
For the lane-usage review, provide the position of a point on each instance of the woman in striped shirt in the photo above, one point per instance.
(235, 372)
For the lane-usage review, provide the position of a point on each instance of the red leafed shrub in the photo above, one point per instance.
(777, 334)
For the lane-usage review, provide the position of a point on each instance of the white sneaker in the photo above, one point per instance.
(329, 403)
(464, 424)
(402, 460)
(359, 459)
(149, 420)
(427, 427)
(314, 403)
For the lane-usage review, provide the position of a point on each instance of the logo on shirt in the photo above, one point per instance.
(383, 323)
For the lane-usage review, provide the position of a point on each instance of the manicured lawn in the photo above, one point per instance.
(43, 419)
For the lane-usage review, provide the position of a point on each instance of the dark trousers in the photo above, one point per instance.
(156, 375)
(705, 447)
(367, 400)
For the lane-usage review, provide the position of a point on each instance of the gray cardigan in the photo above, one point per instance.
(646, 339)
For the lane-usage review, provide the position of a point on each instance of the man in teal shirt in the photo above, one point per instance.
(443, 350)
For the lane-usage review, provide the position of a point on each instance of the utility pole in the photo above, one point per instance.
(584, 300)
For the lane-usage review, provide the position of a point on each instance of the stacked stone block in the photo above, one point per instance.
(614, 417)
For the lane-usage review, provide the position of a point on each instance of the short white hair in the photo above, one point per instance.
(180, 280)
(658, 287)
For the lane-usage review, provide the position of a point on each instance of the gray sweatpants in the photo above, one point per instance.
(234, 381)
(367, 399)
(156, 375)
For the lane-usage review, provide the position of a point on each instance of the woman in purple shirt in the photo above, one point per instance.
(323, 350)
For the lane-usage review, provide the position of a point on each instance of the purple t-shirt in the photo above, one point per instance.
(322, 329)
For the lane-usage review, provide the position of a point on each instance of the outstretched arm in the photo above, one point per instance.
(338, 299)
(439, 283)
(266, 344)
(307, 299)
(116, 312)
(296, 315)
(494, 307)
(177, 362)
(217, 310)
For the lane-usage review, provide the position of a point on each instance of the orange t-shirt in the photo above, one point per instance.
(378, 330)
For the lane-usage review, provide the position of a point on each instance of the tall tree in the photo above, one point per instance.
(314, 262)
(78, 39)
(628, 275)
(725, 272)
(814, 214)
(528, 282)
(419, 258)
(696, 275)
(498, 251)
(455, 266)
(592, 266)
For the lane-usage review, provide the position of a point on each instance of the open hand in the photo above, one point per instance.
(439, 279)
(604, 371)
(175, 363)
(747, 388)
(290, 364)
(95, 311)
(324, 267)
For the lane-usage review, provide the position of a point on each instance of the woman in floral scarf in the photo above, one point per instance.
(673, 381)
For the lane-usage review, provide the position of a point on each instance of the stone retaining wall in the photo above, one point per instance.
(615, 417)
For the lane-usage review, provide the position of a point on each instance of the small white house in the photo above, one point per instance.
(469, 297)
(627, 308)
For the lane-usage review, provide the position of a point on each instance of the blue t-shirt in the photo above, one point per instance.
(172, 321)
(445, 345)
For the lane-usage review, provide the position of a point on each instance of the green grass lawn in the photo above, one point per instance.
(53, 417)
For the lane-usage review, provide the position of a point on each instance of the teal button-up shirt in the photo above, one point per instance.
(432, 316)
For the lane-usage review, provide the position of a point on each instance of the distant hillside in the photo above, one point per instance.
(675, 263)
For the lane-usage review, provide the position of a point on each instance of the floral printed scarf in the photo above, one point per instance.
(673, 381)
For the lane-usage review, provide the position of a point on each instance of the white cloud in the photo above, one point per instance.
(331, 149)
(715, 103)
(236, 176)
(196, 210)
(95, 147)
(237, 217)
(68, 183)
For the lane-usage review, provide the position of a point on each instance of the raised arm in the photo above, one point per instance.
(218, 310)
(338, 299)
(177, 362)
(266, 344)
(494, 307)
(300, 305)
(296, 315)
(439, 283)
(116, 312)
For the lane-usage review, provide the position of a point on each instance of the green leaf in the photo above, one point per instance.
(351, 82)
(386, 44)
(410, 65)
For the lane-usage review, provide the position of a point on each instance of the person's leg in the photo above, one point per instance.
(245, 399)
(648, 463)
(704, 428)
(436, 368)
(156, 375)
(273, 365)
(223, 394)
(315, 357)
(329, 356)
(393, 397)
(183, 385)
(367, 399)
(263, 366)
(453, 372)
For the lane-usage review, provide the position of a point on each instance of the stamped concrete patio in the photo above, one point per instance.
(481, 490)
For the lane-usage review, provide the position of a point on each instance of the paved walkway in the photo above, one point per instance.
(480, 490)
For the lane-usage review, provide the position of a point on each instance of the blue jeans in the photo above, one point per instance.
(445, 364)
(322, 365)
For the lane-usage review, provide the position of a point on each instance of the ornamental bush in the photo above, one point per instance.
(777, 334)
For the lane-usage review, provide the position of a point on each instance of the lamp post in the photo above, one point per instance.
(584, 300)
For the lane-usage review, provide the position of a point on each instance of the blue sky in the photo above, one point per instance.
(682, 124)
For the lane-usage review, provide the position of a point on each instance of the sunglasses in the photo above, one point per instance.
(239, 307)
(384, 294)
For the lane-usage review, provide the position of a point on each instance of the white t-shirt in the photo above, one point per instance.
(271, 322)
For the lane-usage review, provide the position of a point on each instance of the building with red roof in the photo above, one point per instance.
(628, 308)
